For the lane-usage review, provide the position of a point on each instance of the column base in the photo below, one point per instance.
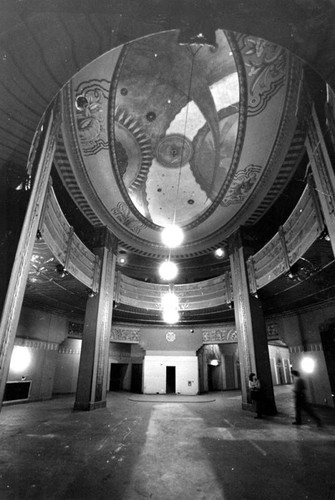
(88, 406)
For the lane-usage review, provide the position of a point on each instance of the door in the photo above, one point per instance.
(170, 380)
(118, 372)
(136, 378)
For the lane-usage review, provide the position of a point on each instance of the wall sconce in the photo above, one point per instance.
(92, 293)
(230, 305)
(122, 258)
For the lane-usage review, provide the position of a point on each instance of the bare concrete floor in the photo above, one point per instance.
(164, 448)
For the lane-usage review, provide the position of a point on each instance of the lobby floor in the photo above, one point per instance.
(165, 448)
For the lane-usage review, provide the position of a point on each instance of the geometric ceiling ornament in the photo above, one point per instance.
(174, 151)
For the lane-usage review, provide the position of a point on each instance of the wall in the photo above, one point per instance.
(186, 374)
(162, 339)
(171, 346)
(38, 336)
(301, 333)
(67, 367)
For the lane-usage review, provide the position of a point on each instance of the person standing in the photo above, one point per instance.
(300, 400)
(256, 395)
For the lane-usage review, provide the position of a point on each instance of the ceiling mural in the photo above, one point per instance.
(156, 133)
(189, 90)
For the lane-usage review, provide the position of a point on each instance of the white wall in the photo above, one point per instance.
(154, 375)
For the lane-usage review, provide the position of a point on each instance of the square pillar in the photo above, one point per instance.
(93, 367)
(251, 330)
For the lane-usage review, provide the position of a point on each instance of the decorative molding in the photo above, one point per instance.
(37, 344)
(68, 350)
(170, 336)
(222, 334)
(125, 335)
(122, 213)
(283, 140)
(90, 118)
(308, 348)
(242, 183)
(266, 72)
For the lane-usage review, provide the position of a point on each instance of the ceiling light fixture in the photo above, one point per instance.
(219, 253)
(170, 306)
(171, 316)
(172, 236)
(170, 301)
(168, 270)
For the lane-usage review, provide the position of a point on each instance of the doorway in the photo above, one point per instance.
(136, 378)
(117, 374)
(170, 380)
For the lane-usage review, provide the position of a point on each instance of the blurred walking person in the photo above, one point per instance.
(300, 400)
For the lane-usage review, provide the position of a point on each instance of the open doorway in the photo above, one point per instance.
(117, 375)
(170, 380)
(136, 378)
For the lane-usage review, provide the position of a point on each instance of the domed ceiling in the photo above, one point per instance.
(155, 132)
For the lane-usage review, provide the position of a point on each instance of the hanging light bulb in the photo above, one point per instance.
(168, 270)
(171, 316)
(219, 253)
(172, 236)
(170, 301)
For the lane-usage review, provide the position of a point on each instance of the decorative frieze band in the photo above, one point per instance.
(125, 335)
(222, 334)
(37, 344)
(68, 350)
(308, 348)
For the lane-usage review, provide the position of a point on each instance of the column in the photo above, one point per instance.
(93, 366)
(323, 173)
(251, 330)
(17, 283)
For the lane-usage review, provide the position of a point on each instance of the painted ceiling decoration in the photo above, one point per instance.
(155, 133)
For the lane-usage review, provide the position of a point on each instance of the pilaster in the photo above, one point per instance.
(17, 283)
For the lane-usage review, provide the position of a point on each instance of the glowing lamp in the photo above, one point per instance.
(20, 359)
(168, 270)
(307, 365)
(170, 316)
(172, 236)
(219, 253)
(170, 301)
